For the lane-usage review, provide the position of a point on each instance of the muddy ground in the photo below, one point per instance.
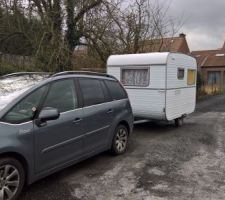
(162, 162)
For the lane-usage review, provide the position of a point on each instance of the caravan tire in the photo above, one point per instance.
(179, 122)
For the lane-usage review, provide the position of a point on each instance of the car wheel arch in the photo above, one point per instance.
(19, 158)
(125, 123)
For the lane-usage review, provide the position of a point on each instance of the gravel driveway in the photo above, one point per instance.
(162, 162)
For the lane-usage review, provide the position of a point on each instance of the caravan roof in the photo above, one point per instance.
(138, 59)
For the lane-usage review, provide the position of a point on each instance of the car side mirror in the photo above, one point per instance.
(48, 114)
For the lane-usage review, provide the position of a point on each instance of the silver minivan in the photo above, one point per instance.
(58, 122)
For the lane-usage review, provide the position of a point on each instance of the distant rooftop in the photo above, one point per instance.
(210, 58)
(169, 44)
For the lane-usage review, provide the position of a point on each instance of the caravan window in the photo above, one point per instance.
(191, 79)
(180, 73)
(135, 77)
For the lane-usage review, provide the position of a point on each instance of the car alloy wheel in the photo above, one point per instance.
(121, 139)
(9, 181)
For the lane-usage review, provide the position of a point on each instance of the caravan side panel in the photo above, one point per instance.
(147, 102)
(180, 97)
(114, 71)
(180, 102)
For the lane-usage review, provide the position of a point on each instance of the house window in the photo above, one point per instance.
(180, 73)
(191, 78)
(135, 77)
(224, 78)
(214, 77)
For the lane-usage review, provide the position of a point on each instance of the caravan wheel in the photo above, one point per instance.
(179, 122)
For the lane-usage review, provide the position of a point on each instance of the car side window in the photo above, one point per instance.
(25, 109)
(116, 90)
(108, 97)
(92, 91)
(62, 96)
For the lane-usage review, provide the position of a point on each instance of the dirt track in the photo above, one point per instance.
(162, 162)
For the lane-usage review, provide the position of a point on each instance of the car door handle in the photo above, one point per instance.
(110, 111)
(77, 120)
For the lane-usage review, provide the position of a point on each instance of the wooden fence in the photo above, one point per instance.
(13, 63)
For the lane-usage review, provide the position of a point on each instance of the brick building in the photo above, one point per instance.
(211, 64)
(84, 61)
(172, 44)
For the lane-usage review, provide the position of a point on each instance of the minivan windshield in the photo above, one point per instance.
(13, 86)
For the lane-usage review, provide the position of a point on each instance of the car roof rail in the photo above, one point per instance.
(24, 73)
(83, 73)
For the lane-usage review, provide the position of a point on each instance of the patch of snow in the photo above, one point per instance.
(156, 171)
(161, 186)
(6, 99)
(78, 193)
(205, 172)
(139, 165)
(12, 87)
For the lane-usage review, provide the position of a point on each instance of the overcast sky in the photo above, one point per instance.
(204, 21)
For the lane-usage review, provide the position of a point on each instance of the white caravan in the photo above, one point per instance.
(161, 86)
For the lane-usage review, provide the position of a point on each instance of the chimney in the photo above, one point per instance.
(182, 35)
(223, 46)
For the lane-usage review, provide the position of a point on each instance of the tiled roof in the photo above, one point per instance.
(174, 44)
(214, 61)
(206, 52)
(210, 58)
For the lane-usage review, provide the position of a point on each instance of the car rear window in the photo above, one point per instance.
(92, 91)
(116, 90)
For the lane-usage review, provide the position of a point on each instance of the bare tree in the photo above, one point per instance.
(50, 30)
(117, 27)
(54, 29)
(75, 14)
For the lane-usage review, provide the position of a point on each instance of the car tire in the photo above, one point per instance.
(120, 140)
(179, 122)
(12, 178)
